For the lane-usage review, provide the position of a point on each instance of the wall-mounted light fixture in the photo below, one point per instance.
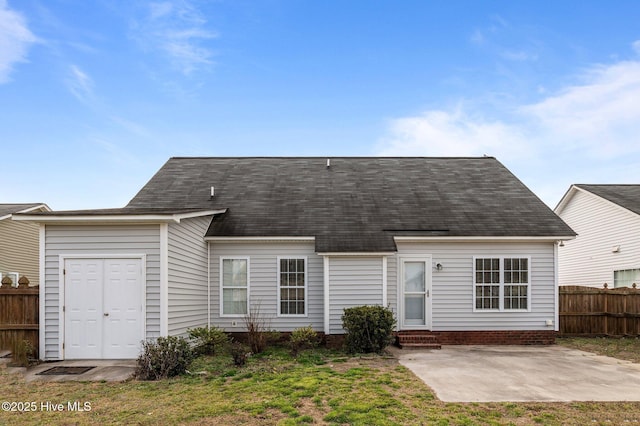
(615, 249)
(439, 266)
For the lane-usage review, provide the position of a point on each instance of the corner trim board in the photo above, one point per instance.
(164, 279)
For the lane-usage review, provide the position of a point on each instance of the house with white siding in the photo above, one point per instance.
(607, 247)
(19, 243)
(458, 248)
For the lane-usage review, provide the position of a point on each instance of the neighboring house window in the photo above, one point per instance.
(501, 283)
(235, 286)
(626, 278)
(292, 286)
(14, 278)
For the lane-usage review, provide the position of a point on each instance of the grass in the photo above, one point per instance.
(317, 387)
(627, 348)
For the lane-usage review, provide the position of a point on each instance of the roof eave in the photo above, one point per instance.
(231, 239)
(116, 218)
(30, 209)
(511, 238)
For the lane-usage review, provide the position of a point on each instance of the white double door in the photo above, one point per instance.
(415, 286)
(103, 310)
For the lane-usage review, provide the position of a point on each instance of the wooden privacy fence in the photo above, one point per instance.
(589, 311)
(19, 316)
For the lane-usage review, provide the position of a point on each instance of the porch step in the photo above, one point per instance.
(421, 340)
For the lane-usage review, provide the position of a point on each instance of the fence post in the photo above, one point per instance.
(606, 310)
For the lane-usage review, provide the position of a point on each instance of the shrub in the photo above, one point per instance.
(303, 338)
(22, 352)
(257, 329)
(208, 340)
(166, 357)
(240, 352)
(369, 328)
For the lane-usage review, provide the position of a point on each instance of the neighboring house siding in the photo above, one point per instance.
(353, 281)
(99, 240)
(452, 287)
(600, 225)
(19, 242)
(187, 275)
(263, 285)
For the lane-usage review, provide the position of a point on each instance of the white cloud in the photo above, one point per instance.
(600, 115)
(636, 46)
(452, 133)
(80, 84)
(15, 40)
(586, 132)
(177, 30)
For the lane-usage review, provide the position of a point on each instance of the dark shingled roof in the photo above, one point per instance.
(355, 205)
(9, 208)
(627, 196)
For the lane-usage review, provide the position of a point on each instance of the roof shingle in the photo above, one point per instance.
(627, 196)
(357, 204)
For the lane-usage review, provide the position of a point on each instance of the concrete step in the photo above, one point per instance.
(419, 346)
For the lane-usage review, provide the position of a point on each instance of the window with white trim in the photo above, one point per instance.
(626, 277)
(235, 286)
(501, 283)
(292, 286)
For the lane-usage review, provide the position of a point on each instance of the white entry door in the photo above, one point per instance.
(416, 293)
(103, 308)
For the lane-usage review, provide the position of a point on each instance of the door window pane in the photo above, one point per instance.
(414, 277)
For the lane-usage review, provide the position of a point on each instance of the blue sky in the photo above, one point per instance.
(96, 95)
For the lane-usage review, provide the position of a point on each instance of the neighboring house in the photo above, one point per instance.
(455, 246)
(19, 254)
(607, 248)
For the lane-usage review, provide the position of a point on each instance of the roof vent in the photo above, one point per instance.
(213, 191)
(328, 162)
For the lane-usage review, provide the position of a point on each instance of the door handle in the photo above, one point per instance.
(106, 314)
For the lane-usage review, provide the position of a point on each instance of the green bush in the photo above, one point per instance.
(208, 340)
(240, 352)
(166, 357)
(369, 328)
(303, 338)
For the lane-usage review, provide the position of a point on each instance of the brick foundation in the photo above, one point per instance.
(502, 337)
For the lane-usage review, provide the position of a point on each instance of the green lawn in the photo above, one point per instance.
(626, 348)
(319, 387)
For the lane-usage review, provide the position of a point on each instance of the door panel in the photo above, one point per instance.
(415, 287)
(83, 308)
(103, 308)
(122, 308)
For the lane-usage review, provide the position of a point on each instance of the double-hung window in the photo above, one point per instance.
(626, 277)
(292, 286)
(235, 286)
(501, 283)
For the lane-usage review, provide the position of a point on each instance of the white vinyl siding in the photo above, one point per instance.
(19, 251)
(353, 281)
(264, 282)
(452, 301)
(590, 259)
(187, 275)
(99, 240)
